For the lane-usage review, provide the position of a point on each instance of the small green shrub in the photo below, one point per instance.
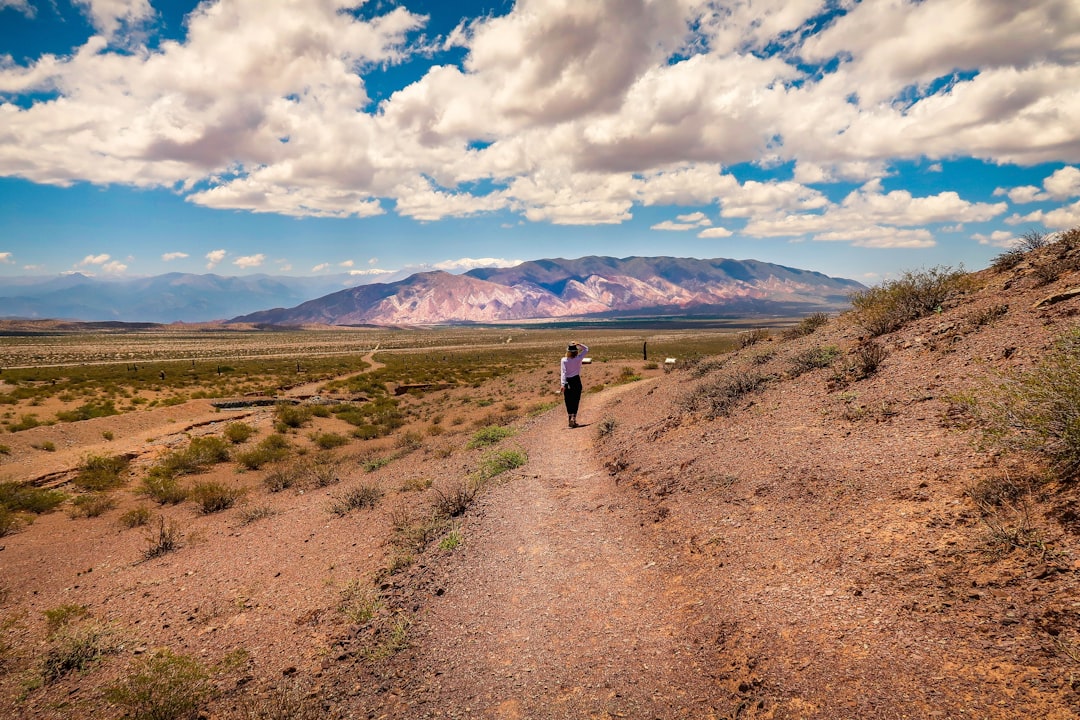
(23, 497)
(238, 432)
(417, 484)
(164, 490)
(271, 449)
(212, 496)
(200, 454)
(1008, 259)
(92, 505)
(490, 435)
(5, 450)
(136, 517)
(329, 440)
(292, 416)
(163, 687)
(1039, 410)
(496, 463)
(108, 435)
(451, 540)
(62, 615)
(376, 463)
(74, 648)
(889, 306)
(47, 446)
(356, 498)
(100, 472)
(812, 359)
(627, 375)
(88, 411)
(283, 477)
(9, 522)
(26, 422)
(360, 603)
(807, 325)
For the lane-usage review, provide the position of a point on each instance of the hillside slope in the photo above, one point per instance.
(817, 552)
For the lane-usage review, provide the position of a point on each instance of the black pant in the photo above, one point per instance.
(572, 394)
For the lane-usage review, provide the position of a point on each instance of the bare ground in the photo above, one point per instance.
(816, 554)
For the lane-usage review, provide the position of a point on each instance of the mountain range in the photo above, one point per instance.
(586, 287)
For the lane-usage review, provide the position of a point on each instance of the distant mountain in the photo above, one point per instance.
(162, 298)
(589, 286)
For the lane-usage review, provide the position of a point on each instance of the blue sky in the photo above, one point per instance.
(304, 137)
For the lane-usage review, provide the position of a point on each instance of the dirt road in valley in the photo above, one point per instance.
(560, 604)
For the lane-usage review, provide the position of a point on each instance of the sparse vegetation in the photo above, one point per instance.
(238, 432)
(719, 397)
(213, 496)
(164, 490)
(1038, 411)
(136, 517)
(62, 615)
(270, 449)
(197, 457)
(359, 602)
(889, 306)
(356, 498)
(99, 472)
(496, 463)
(291, 416)
(812, 358)
(606, 427)
(163, 687)
(163, 540)
(753, 337)
(255, 513)
(329, 440)
(806, 326)
(490, 435)
(25, 498)
(92, 505)
(74, 647)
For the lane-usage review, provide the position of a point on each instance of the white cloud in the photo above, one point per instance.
(34, 268)
(346, 264)
(1062, 218)
(698, 218)
(371, 272)
(22, 6)
(320, 267)
(1064, 183)
(94, 260)
(115, 267)
(674, 226)
(214, 257)
(715, 232)
(110, 17)
(6, 258)
(998, 238)
(463, 264)
(170, 256)
(250, 261)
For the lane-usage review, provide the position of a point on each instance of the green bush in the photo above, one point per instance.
(23, 497)
(88, 411)
(163, 687)
(1039, 410)
(329, 440)
(92, 505)
(807, 325)
(889, 306)
(74, 648)
(271, 449)
(164, 490)
(63, 615)
(812, 358)
(212, 496)
(100, 472)
(9, 522)
(293, 416)
(490, 435)
(136, 517)
(498, 462)
(238, 432)
(197, 457)
(26, 422)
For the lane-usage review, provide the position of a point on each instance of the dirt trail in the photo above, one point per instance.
(311, 388)
(560, 604)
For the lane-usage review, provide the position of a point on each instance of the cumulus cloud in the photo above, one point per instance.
(346, 263)
(998, 238)
(114, 267)
(6, 258)
(170, 256)
(320, 267)
(715, 232)
(214, 257)
(250, 261)
(560, 112)
(91, 260)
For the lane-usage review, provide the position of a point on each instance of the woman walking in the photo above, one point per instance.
(570, 379)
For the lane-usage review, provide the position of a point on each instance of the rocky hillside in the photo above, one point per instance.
(587, 286)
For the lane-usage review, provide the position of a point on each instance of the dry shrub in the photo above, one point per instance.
(868, 357)
(164, 540)
(136, 517)
(718, 397)
(164, 686)
(806, 326)
(213, 496)
(889, 306)
(356, 498)
(752, 337)
(819, 356)
(92, 505)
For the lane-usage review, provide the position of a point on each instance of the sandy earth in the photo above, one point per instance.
(813, 555)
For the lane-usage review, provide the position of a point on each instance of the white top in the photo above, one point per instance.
(571, 366)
